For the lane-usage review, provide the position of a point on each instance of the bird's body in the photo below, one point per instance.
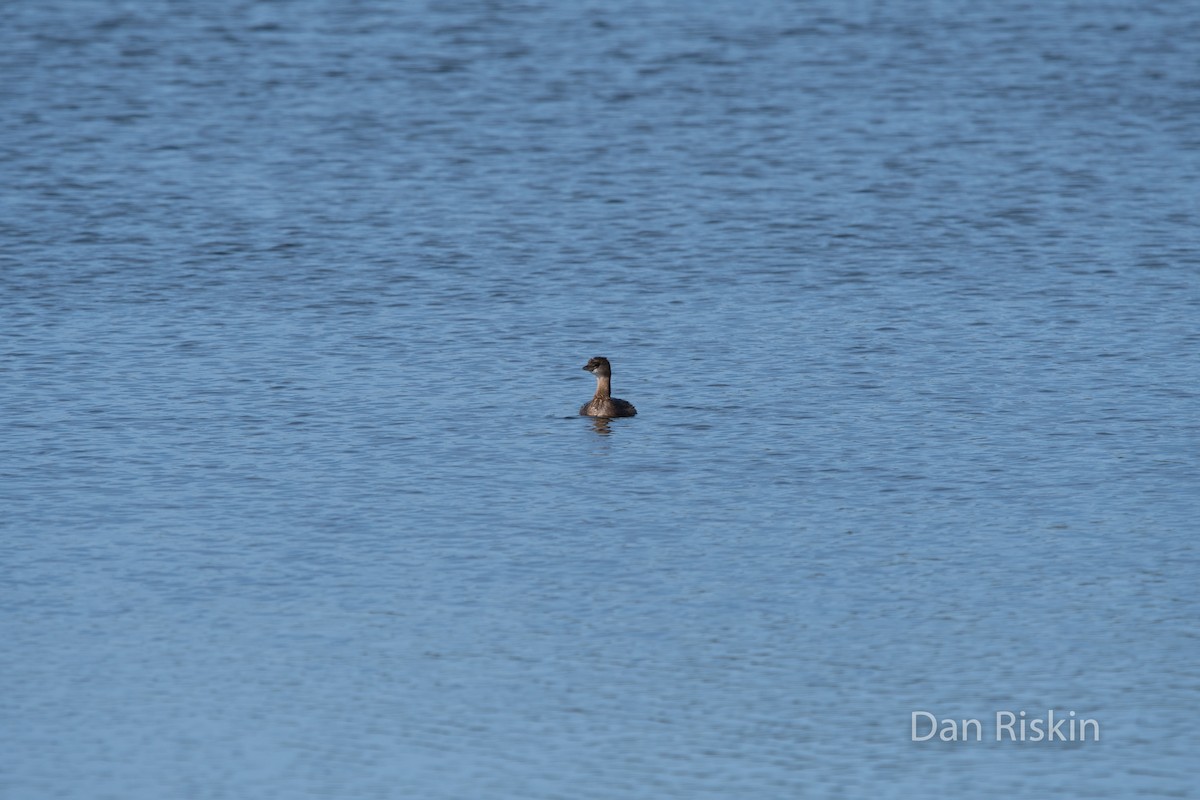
(607, 407)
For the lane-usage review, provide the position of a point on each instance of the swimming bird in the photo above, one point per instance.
(604, 404)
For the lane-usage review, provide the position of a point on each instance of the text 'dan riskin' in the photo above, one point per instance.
(1007, 726)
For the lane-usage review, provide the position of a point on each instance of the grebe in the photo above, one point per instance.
(604, 404)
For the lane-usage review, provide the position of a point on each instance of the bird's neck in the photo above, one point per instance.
(603, 387)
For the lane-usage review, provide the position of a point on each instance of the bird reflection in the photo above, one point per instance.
(601, 425)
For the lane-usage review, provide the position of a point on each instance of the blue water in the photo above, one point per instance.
(293, 303)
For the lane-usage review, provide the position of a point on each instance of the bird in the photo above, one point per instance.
(604, 404)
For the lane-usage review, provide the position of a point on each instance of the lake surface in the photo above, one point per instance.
(293, 303)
